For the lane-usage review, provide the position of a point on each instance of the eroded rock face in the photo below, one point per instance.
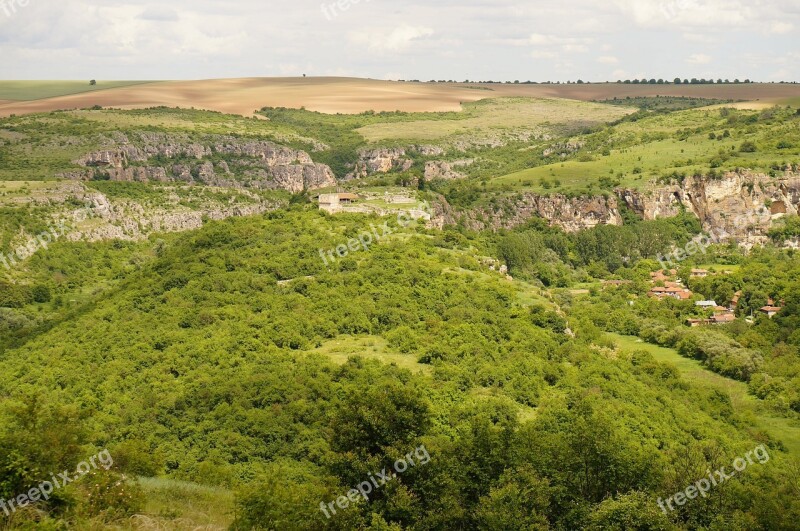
(380, 160)
(429, 151)
(296, 178)
(264, 164)
(104, 159)
(572, 214)
(741, 205)
(439, 169)
(562, 149)
(92, 216)
(738, 206)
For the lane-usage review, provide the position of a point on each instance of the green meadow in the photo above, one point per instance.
(38, 90)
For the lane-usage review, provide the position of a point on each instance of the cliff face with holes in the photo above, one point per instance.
(213, 160)
(741, 206)
(570, 213)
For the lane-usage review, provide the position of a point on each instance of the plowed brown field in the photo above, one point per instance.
(348, 95)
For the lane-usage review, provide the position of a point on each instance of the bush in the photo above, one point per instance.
(111, 495)
(748, 147)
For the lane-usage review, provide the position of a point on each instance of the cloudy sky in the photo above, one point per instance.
(408, 39)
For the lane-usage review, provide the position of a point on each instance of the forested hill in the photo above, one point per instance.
(220, 357)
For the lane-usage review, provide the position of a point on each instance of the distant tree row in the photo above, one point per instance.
(652, 81)
(678, 81)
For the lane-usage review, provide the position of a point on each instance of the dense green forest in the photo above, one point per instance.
(203, 359)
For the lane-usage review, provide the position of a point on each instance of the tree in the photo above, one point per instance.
(629, 511)
(41, 293)
(518, 501)
(93, 82)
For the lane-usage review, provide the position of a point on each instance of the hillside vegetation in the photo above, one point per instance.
(201, 363)
(248, 359)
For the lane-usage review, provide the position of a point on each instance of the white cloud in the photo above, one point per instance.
(399, 39)
(164, 14)
(538, 38)
(781, 27)
(689, 13)
(699, 59)
(191, 39)
(575, 48)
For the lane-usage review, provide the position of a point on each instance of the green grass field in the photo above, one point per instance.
(649, 159)
(783, 429)
(500, 114)
(341, 349)
(182, 505)
(634, 154)
(37, 90)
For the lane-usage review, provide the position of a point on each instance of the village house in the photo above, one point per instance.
(718, 319)
(770, 310)
(699, 273)
(659, 276)
(678, 293)
(333, 203)
(723, 318)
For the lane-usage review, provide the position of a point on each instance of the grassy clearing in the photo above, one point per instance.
(637, 165)
(181, 505)
(635, 154)
(485, 116)
(37, 90)
(341, 349)
(783, 429)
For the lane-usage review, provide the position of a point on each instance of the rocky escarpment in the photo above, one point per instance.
(740, 206)
(385, 160)
(570, 213)
(89, 215)
(212, 160)
(439, 169)
(380, 160)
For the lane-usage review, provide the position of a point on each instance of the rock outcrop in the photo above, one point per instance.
(738, 206)
(102, 218)
(570, 213)
(742, 205)
(380, 160)
(254, 163)
(562, 149)
(440, 169)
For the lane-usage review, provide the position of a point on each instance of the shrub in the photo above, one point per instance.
(748, 147)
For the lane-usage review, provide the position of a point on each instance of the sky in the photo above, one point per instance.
(502, 40)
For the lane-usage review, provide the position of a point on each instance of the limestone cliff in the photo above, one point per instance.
(93, 216)
(739, 206)
(742, 205)
(380, 160)
(570, 213)
(176, 157)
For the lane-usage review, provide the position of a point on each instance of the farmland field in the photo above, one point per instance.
(517, 114)
(344, 95)
(37, 90)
